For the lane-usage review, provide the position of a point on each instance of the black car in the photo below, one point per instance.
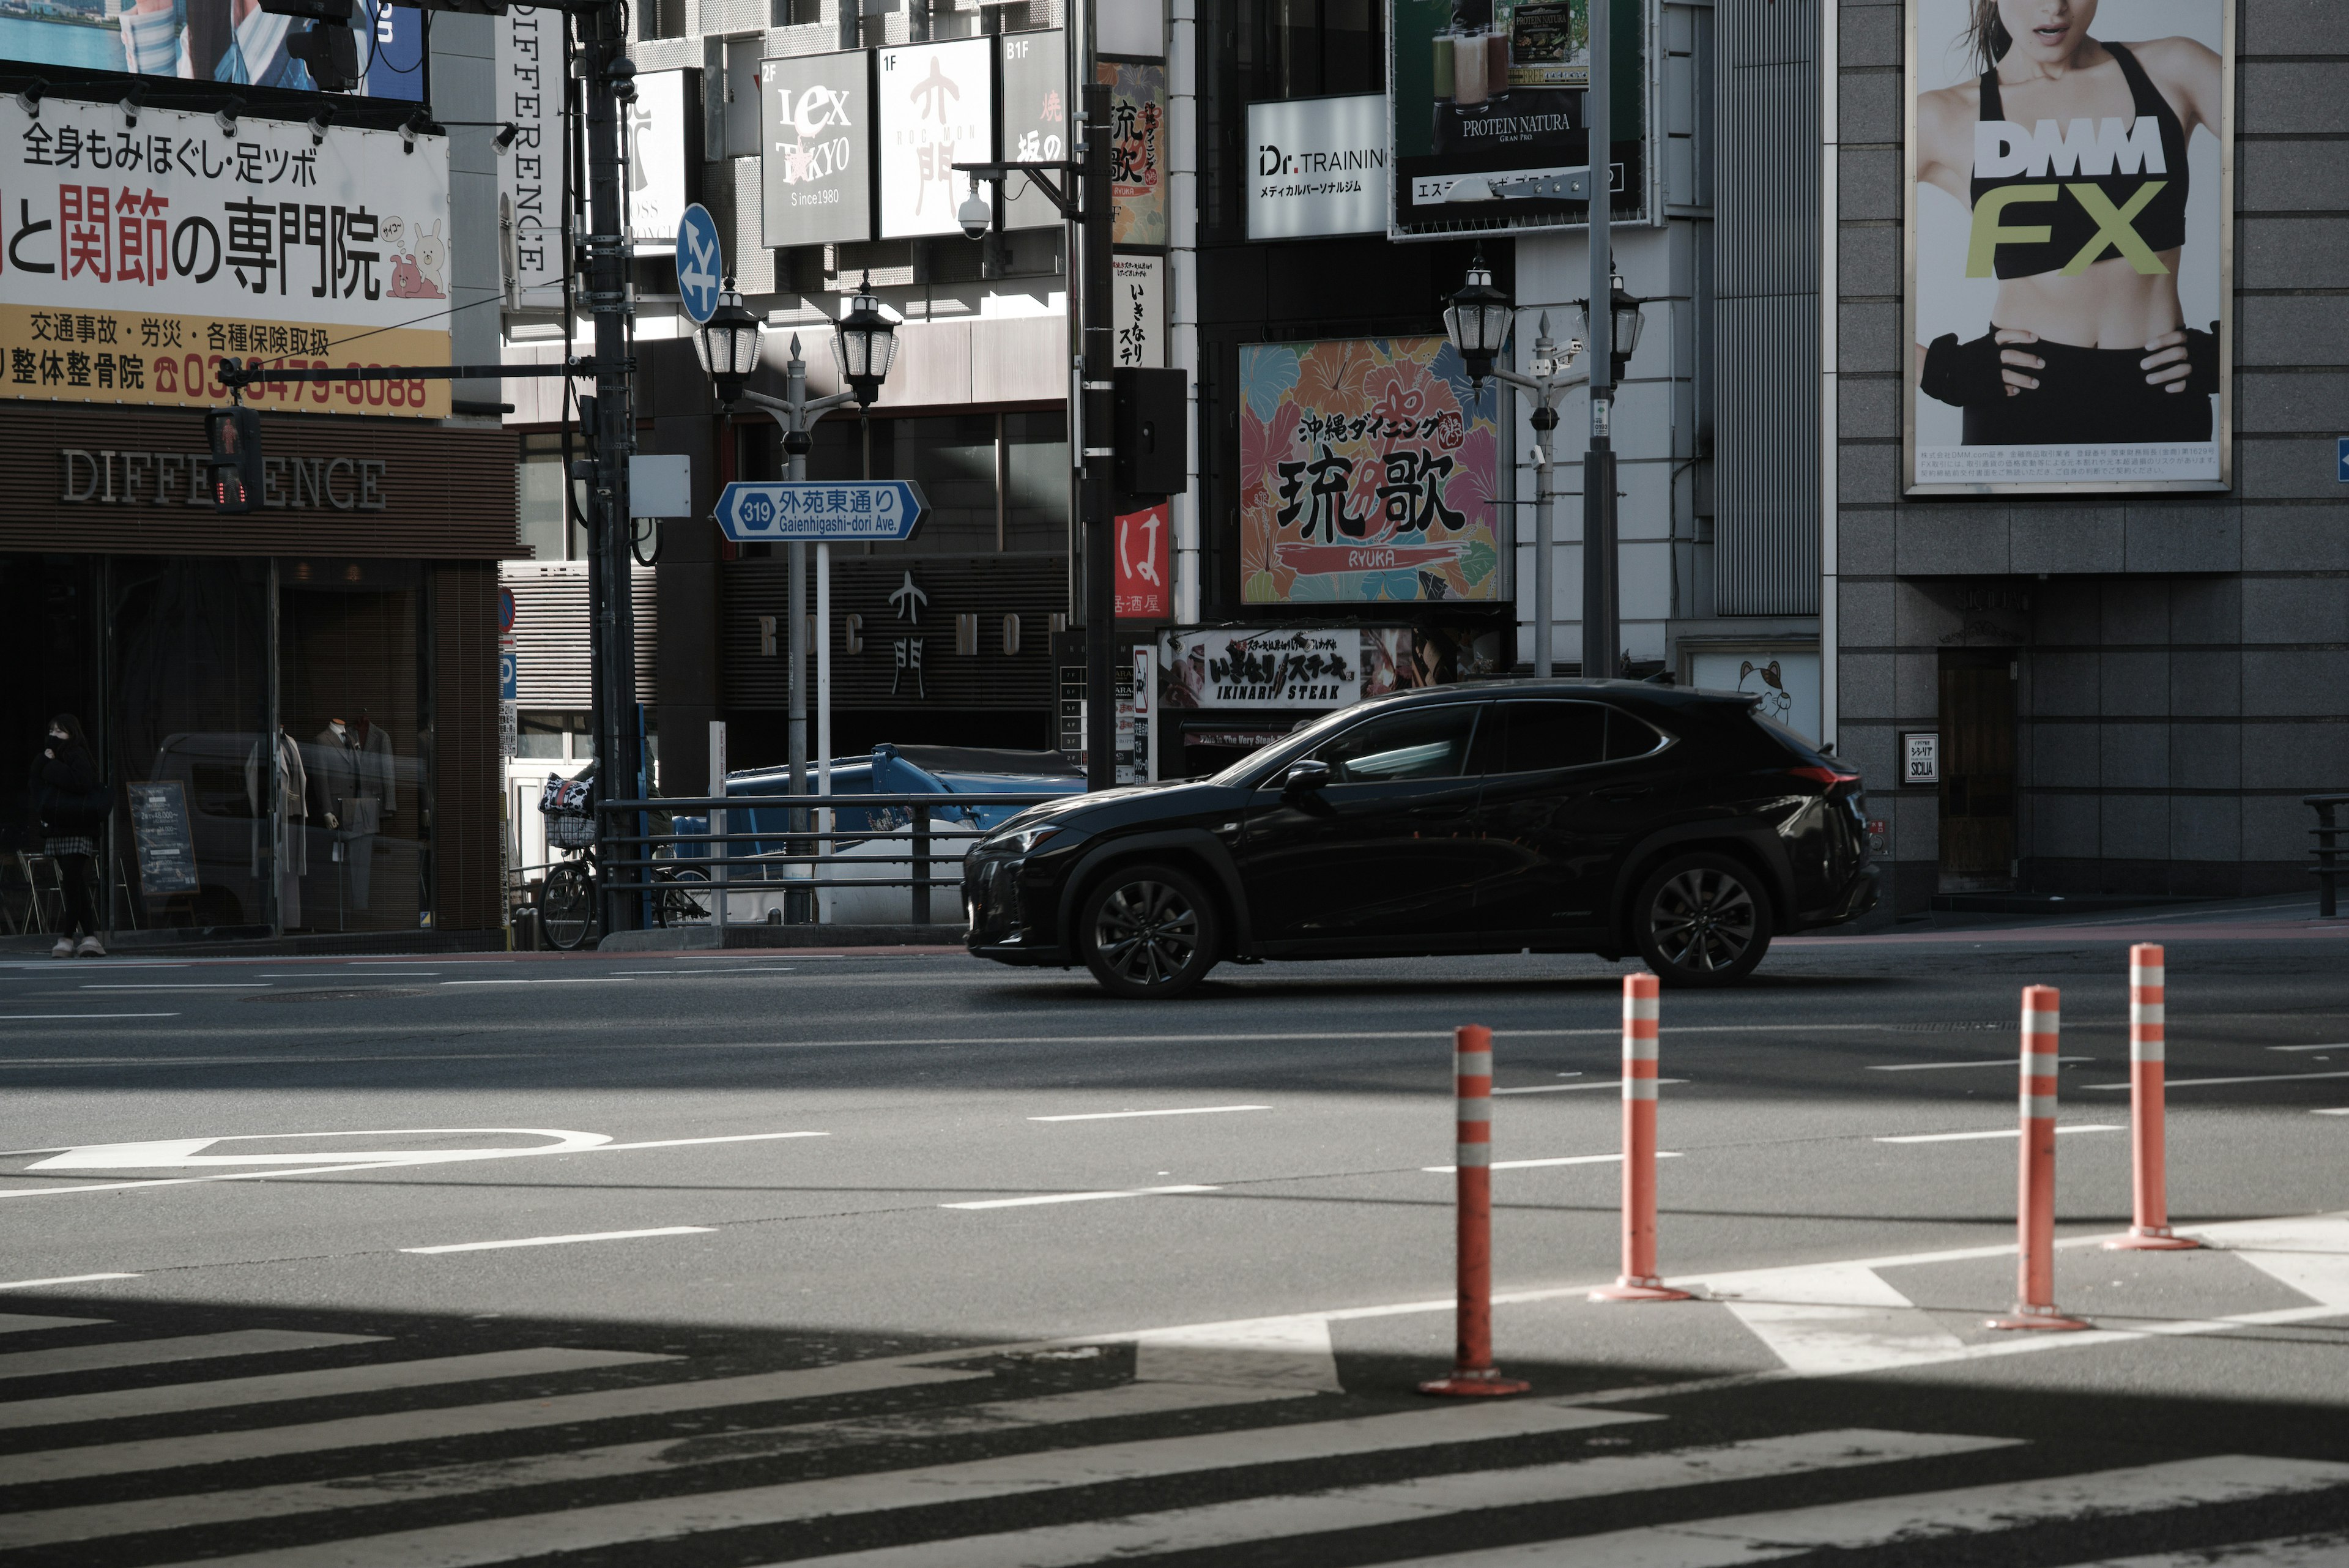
(1601, 816)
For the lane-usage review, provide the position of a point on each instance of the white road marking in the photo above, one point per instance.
(1566, 1160)
(2310, 1253)
(159, 1352)
(345, 973)
(558, 979)
(2001, 1132)
(1076, 1197)
(61, 1017)
(185, 985)
(2253, 1078)
(1227, 1525)
(1918, 1516)
(688, 1142)
(1834, 1318)
(175, 1398)
(659, 1457)
(2006, 1062)
(608, 1525)
(675, 973)
(1602, 1085)
(1122, 1115)
(2342, 1111)
(2293, 1552)
(248, 1060)
(26, 1469)
(1275, 1354)
(26, 1323)
(564, 1240)
(2338, 1047)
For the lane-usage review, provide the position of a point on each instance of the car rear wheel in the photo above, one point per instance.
(1147, 931)
(1702, 920)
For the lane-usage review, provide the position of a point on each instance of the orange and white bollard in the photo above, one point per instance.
(1471, 1363)
(2147, 1136)
(1639, 1282)
(2035, 1217)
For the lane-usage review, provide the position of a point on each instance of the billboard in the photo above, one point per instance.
(1495, 88)
(815, 142)
(529, 66)
(209, 40)
(1035, 120)
(657, 126)
(137, 260)
(1137, 150)
(1319, 167)
(1320, 667)
(1138, 310)
(935, 109)
(2067, 249)
(1368, 470)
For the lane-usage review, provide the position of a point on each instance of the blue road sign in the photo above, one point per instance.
(700, 263)
(878, 509)
(509, 674)
(2341, 456)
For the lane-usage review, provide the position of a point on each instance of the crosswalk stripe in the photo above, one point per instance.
(27, 1323)
(2328, 1551)
(466, 1420)
(1258, 1518)
(661, 1455)
(1917, 1517)
(176, 1399)
(1834, 1318)
(158, 1351)
(666, 1518)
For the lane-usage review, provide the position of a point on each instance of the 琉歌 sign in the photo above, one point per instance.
(137, 259)
(1319, 166)
(1137, 150)
(815, 126)
(1368, 470)
(874, 509)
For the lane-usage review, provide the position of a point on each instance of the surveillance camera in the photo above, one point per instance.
(975, 214)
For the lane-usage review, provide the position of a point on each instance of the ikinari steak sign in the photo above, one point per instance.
(105, 477)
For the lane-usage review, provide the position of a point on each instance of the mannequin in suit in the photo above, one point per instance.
(286, 814)
(357, 789)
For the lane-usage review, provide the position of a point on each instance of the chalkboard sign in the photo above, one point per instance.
(167, 851)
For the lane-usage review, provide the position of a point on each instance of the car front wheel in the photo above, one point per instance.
(1147, 931)
(1702, 920)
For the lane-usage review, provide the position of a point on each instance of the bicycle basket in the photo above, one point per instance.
(566, 831)
(566, 797)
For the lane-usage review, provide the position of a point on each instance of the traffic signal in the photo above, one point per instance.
(234, 436)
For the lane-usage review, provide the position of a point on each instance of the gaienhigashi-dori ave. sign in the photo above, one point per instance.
(879, 510)
(133, 260)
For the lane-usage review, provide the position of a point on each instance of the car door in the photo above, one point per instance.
(1381, 858)
(1571, 783)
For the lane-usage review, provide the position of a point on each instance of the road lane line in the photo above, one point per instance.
(1122, 1115)
(26, 1323)
(60, 1017)
(2342, 1111)
(564, 1240)
(2249, 1078)
(659, 1457)
(1568, 1159)
(2005, 1062)
(159, 1352)
(185, 985)
(2336, 1047)
(1998, 1132)
(555, 980)
(688, 1142)
(1907, 1522)
(1606, 1085)
(1227, 1525)
(179, 1398)
(1076, 1197)
(607, 1525)
(2329, 1550)
(470, 1420)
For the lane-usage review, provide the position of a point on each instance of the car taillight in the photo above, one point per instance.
(1827, 776)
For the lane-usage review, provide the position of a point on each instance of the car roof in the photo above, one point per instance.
(1638, 692)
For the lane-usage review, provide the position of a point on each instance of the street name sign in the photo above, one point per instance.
(701, 263)
(883, 510)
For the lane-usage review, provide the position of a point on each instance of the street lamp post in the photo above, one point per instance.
(1477, 321)
(863, 345)
(1617, 328)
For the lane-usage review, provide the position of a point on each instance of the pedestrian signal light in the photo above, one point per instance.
(234, 436)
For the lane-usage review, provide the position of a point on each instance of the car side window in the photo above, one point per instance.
(1414, 743)
(1628, 737)
(1544, 736)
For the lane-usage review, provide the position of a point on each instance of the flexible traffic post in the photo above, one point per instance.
(1639, 1282)
(1472, 1372)
(2035, 1217)
(2148, 1134)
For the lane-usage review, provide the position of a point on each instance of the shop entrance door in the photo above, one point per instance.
(1977, 770)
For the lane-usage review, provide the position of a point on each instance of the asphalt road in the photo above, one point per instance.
(784, 1257)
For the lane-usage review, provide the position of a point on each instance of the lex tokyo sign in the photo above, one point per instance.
(877, 509)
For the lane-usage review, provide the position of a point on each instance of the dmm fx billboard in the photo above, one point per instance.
(1495, 88)
(2068, 265)
(1368, 470)
(815, 114)
(136, 260)
(1319, 167)
(225, 41)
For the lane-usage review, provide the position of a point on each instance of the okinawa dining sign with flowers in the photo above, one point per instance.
(1368, 471)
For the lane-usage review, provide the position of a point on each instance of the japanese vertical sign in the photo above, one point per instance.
(1138, 310)
(530, 177)
(655, 125)
(1035, 120)
(1368, 470)
(1143, 574)
(815, 127)
(1137, 150)
(2068, 274)
(135, 260)
(937, 110)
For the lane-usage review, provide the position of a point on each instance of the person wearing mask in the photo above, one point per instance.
(71, 802)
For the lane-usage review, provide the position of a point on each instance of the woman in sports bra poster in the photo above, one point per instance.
(2068, 269)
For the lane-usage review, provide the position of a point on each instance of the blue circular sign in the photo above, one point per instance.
(700, 263)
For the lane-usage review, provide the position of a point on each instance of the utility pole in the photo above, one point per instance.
(1602, 647)
(1095, 429)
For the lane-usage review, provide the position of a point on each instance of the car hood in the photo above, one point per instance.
(1126, 804)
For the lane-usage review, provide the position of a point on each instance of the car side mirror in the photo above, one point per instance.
(1304, 777)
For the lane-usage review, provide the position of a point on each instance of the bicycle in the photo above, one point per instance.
(567, 904)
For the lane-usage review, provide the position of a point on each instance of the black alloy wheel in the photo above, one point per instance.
(1147, 931)
(1702, 920)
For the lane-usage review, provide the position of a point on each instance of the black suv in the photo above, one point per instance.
(1603, 816)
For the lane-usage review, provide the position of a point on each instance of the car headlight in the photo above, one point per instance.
(1027, 838)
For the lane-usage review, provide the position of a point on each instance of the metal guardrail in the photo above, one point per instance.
(808, 841)
(2328, 868)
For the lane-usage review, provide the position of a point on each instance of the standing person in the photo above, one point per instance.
(70, 803)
